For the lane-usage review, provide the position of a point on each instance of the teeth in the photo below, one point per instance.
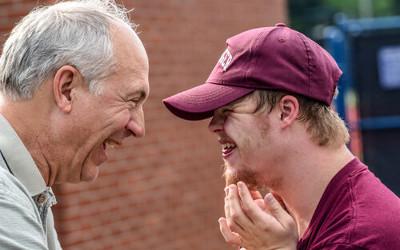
(111, 143)
(228, 145)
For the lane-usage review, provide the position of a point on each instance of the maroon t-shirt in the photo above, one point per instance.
(356, 211)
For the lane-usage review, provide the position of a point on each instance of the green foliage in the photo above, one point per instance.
(349, 7)
(385, 8)
(306, 14)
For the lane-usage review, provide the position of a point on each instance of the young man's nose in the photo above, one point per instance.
(217, 123)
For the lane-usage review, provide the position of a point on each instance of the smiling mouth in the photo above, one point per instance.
(227, 149)
(109, 142)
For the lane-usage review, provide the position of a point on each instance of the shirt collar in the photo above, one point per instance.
(19, 160)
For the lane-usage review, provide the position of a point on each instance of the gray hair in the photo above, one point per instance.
(75, 33)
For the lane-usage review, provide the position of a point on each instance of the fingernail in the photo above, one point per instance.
(240, 184)
(226, 190)
(240, 187)
(269, 198)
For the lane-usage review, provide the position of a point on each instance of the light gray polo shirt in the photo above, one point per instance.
(26, 220)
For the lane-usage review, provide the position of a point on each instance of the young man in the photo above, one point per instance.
(270, 98)
(73, 80)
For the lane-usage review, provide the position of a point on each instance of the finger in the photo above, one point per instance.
(261, 203)
(280, 200)
(229, 236)
(255, 194)
(250, 207)
(232, 224)
(226, 204)
(277, 210)
(237, 216)
(258, 199)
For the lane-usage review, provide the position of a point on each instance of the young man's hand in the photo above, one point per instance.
(253, 223)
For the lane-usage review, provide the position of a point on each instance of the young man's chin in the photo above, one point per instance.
(233, 176)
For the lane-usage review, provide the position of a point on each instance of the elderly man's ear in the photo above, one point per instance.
(66, 80)
(289, 110)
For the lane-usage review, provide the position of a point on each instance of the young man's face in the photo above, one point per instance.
(247, 141)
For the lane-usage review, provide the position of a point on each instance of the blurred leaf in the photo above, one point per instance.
(305, 15)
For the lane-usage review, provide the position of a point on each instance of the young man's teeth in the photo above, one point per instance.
(228, 145)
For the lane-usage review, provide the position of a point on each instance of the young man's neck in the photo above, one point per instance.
(308, 174)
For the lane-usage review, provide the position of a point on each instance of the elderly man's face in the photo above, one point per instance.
(105, 120)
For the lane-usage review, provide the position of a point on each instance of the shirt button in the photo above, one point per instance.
(41, 198)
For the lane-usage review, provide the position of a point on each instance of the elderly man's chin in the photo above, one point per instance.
(89, 173)
(233, 176)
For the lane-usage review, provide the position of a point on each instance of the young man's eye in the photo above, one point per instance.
(226, 111)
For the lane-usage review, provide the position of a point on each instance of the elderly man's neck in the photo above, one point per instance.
(30, 119)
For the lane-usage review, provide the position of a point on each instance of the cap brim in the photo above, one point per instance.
(200, 102)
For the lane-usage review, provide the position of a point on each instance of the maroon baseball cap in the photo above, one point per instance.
(269, 58)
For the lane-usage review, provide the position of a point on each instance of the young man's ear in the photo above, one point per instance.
(289, 110)
(65, 80)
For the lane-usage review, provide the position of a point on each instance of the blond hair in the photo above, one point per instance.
(323, 123)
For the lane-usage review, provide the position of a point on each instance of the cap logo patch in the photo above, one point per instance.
(225, 60)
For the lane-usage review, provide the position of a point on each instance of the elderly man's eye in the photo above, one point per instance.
(133, 102)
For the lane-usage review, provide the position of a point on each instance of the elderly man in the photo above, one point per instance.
(73, 78)
(269, 97)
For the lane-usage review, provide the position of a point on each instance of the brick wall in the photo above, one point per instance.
(163, 191)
